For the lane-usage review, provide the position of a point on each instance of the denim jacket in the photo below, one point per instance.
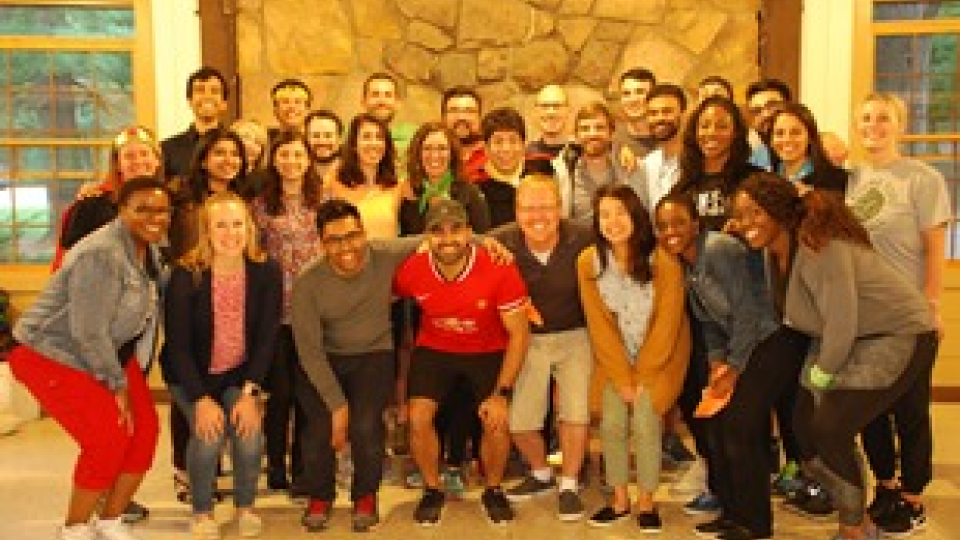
(99, 300)
(729, 296)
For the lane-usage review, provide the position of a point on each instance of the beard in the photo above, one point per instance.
(324, 160)
(664, 135)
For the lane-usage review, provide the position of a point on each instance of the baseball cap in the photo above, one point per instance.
(445, 211)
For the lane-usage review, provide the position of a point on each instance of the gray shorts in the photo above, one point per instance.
(567, 357)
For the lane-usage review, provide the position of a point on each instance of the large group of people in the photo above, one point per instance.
(640, 267)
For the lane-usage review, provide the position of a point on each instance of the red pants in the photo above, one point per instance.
(88, 411)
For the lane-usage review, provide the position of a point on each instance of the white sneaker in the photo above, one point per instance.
(249, 524)
(113, 529)
(692, 482)
(205, 529)
(80, 531)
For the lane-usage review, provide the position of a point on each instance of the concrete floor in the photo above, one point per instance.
(36, 463)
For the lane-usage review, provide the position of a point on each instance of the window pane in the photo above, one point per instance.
(33, 158)
(29, 67)
(922, 69)
(89, 21)
(35, 244)
(900, 11)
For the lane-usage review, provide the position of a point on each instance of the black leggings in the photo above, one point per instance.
(827, 425)
(283, 405)
(738, 435)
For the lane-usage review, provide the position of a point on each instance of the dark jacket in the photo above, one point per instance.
(178, 152)
(412, 220)
(189, 329)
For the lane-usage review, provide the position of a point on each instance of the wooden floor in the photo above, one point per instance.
(35, 467)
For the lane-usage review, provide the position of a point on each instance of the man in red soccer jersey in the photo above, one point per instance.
(474, 327)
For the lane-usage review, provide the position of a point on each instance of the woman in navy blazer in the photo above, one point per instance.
(223, 312)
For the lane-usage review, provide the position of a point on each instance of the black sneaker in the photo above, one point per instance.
(714, 527)
(134, 512)
(649, 522)
(811, 501)
(497, 506)
(607, 516)
(569, 506)
(884, 500)
(430, 508)
(530, 487)
(902, 520)
(740, 533)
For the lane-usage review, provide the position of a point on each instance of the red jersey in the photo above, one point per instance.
(462, 315)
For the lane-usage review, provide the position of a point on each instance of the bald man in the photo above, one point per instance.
(552, 113)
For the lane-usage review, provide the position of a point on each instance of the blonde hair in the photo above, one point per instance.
(260, 135)
(538, 179)
(200, 258)
(894, 101)
(129, 135)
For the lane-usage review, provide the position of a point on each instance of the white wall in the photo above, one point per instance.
(176, 48)
(826, 63)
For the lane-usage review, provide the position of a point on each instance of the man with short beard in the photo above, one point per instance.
(460, 111)
(323, 130)
(660, 169)
(596, 166)
(207, 94)
(473, 330)
(381, 98)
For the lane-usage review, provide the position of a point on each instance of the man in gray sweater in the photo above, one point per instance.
(341, 325)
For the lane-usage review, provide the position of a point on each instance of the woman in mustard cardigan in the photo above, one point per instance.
(633, 297)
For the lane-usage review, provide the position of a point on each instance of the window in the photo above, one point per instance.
(67, 84)
(916, 53)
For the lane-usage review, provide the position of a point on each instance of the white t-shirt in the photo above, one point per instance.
(897, 204)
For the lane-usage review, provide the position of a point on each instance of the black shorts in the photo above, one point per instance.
(433, 374)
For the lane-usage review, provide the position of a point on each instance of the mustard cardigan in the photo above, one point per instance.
(661, 363)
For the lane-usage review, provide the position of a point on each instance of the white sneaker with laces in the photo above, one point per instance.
(113, 529)
(80, 531)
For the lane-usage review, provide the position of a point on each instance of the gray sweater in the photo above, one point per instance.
(332, 314)
(863, 314)
(100, 299)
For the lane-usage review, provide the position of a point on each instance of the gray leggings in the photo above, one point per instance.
(203, 457)
(827, 426)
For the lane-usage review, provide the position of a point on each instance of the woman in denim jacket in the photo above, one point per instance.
(81, 343)
(753, 360)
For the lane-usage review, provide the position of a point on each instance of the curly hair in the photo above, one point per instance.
(815, 218)
(415, 172)
(692, 166)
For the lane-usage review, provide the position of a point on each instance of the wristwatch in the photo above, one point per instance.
(253, 390)
(505, 392)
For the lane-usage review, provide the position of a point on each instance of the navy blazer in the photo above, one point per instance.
(189, 329)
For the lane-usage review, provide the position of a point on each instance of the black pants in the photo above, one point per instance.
(694, 382)
(827, 426)
(785, 405)
(282, 405)
(914, 431)
(367, 381)
(738, 435)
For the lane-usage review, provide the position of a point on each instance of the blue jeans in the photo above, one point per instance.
(203, 456)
